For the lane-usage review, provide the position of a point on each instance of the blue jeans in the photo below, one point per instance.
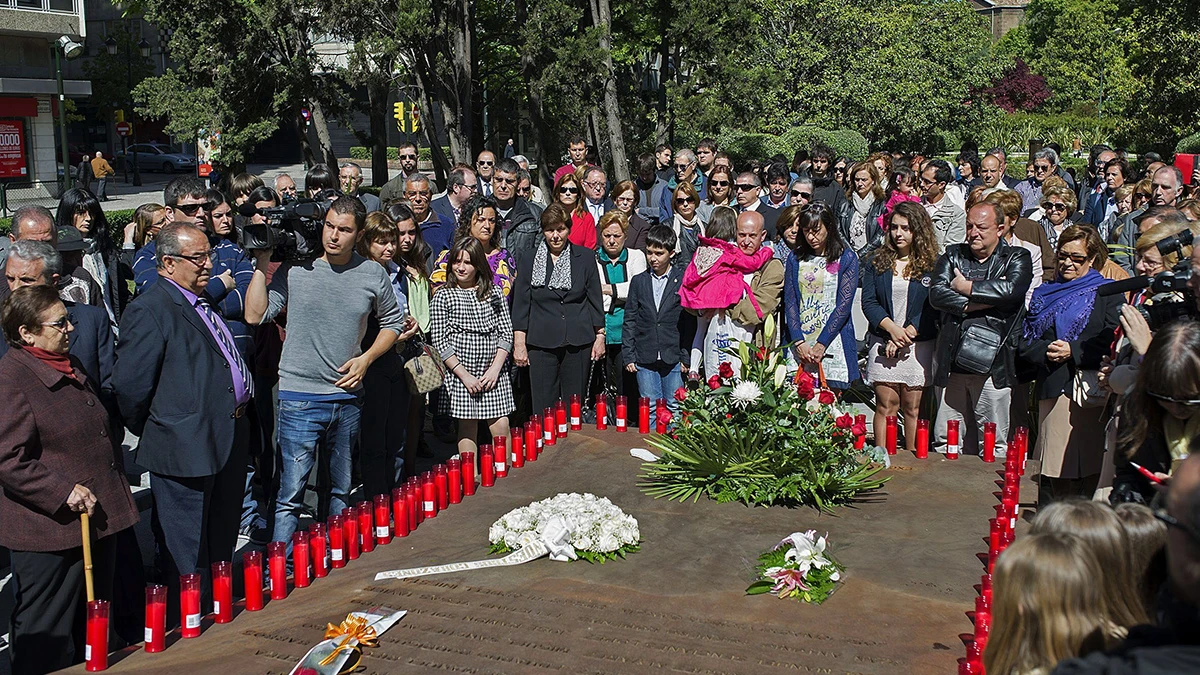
(308, 429)
(660, 380)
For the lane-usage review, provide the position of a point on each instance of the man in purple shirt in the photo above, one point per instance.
(182, 388)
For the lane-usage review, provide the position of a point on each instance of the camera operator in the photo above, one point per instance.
(1152, 261)
(328, 301)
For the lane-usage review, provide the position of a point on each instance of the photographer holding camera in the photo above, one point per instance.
(328, 300)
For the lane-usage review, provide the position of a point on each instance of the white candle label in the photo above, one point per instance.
(216, 606)
(500, 467)
(546, 435)
(87, 652)
(951, 449)
(428, 507)
(381, 531)
(575, 421)
(620, 424)
(192, 621)
(149, 635)
(562, 428)
(337, 554)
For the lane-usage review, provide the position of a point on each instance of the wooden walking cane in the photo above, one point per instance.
(85, 523)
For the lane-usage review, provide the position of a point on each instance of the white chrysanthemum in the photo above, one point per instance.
(595, 523)
(745, 393)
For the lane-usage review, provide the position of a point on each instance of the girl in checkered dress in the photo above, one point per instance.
(472, 330)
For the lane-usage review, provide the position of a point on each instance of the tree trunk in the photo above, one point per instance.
(301, 129)
(324, 142)
(377, 100)
(612, 108)
(662, 123)
(441, 163)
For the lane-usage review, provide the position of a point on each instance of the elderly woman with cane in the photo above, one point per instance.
(58, 465)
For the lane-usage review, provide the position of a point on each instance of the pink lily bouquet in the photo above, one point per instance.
(798, 567)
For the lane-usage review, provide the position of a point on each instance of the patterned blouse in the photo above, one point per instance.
(504, 270)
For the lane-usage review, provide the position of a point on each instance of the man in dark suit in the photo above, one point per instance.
(183, 388)
(460, 185)
(650, 338)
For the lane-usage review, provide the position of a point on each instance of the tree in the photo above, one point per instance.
(1018, 89)
(111, 74)
(1165, 36)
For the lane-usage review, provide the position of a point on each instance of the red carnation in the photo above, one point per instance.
(714, 382)
(761, 354)
(681, 394)
(827, 397)
(725, 370)
(844, 422)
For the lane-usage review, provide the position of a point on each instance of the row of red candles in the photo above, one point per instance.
(1001, 532)
(953, 442)
(358, 529)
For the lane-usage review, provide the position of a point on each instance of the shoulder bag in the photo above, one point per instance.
(424, 366)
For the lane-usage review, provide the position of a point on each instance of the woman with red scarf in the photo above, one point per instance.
(57, 460)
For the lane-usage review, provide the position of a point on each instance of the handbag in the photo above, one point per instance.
(425, 369)
(588, 408)
(977, 348)
(1086, 391)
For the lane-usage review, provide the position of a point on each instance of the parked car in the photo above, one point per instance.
(154, 157)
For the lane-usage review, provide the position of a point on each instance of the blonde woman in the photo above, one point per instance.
(1046, 605)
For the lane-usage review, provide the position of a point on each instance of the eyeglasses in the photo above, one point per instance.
(525, 191)
(1054, 206)
(801, 195)
(1041, 168)
(1172, 521)
(192, 209)
(719, 183)
(504, 181)
(1076, 258)
(417, 193)
(594, 184)
(1190, 402)
(742, 187)
(408, 156)
(484, 162)
(199, 258)
(61, 324)
(927, 181)
(473, 187)
(682, 167)
(684, 200)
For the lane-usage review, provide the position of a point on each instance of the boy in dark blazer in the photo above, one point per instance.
(650, 339)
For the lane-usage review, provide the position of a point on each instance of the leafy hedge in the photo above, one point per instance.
(743, 145)
(423, 154)
(1014, 131)
(1189, 145)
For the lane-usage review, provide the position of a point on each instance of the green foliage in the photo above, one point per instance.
(112, 75)
(1164, 40)
(1014, 131)
(819, 582)
(359, 152)
(743, 146)
(1188, 144)
(773, 448)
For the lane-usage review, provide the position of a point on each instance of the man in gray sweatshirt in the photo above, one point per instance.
(328, 301)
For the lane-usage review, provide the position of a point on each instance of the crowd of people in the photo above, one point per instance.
(949, 291)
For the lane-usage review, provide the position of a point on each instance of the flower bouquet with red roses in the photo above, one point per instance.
(761, 436)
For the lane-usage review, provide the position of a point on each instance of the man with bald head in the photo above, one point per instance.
(485, 168)
(766, 284)
(991, 170)
(979, 287)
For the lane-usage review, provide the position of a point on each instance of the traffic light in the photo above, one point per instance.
(119, 115)
(416, 119)
(403, 124)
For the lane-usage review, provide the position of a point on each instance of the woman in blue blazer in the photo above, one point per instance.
(900, 322)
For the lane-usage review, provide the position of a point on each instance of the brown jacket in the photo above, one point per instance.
(767, 286)
(1028, 230)
(101, 168)
(53, 434)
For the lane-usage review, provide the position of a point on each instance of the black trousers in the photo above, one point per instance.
(557, 373)
(195, 520)
(615, 376)
(382, 430)
(46, 632)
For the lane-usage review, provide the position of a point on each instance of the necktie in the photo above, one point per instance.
(223, 336)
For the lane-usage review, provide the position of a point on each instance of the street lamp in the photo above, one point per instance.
(144, 49)
(71, 49)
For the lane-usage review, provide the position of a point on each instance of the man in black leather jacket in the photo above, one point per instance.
(979, 287)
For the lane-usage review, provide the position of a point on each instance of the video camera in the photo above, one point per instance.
(1174, 280)
(294, 227)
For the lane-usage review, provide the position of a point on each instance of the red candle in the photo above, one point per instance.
(222, 590)
(622, 413)
(891, 434)
(989, 442)
(428, 495)
(487, 467)
(337, 543)
(277, 561)
(1023, 434)
(860, 442)
(156, 615)
(366, 526)
(95, 651)
(518, 447)
(383, 520)
(300, 574)
(660, 420)
(350, 525)
(252, 580)
(500, 455)
(318, 536)
(441, 485)
(189, 605)
(982, 608)
(576, 413)
(549, 434)
(400, 519)
(454, 480)
(993, 534)
(601, 412)
(922, 439)
(412, 503)
(952, 439)
(560, 418)
(644, 415)
(468, 469)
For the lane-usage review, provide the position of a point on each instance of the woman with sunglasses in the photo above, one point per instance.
(720, 192)
(568, 192)
(57, 461)
(687, 224)
(1068, 330)
(1058, 203)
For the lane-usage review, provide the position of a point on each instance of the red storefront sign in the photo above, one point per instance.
(13, 163)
